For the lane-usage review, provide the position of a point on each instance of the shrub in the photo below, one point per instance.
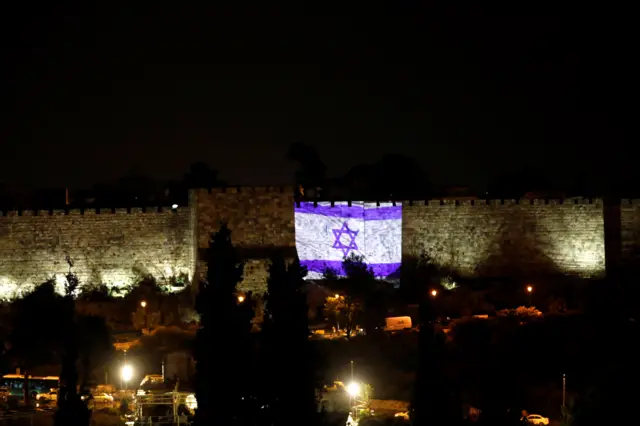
(521, 312)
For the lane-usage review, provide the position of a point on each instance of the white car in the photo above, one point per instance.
(102, 397)
(537, 419)
(47, 396)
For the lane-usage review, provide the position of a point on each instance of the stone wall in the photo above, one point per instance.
(114, 247)
(629, 231)
(472, 238)
(508, 238)
(260, 218)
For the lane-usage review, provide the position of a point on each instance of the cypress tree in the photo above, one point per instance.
(223, 341)
(287, 357)
(72, 411)
(432, 401)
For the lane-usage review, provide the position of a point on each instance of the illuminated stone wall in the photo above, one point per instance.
(261, 220)
(473, 238)
(508, 238)
(110, 247)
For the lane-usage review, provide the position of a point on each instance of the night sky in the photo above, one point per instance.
(92, 92)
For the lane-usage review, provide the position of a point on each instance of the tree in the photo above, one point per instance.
(165, 340)
(610, 395)
(401, 178)
(156, 309)
(95, 345)
(45, 330)
(603, 402)
(312, 172)
(416, 275)
(200, 175)
(335, 310)
(432, 402)
(36, 330)
(223, 342)
(286, 345)
(356, 287)
(393, 177)
(72, 411)
(515, 185)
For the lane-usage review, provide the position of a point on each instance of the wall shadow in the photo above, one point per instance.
(519, 252)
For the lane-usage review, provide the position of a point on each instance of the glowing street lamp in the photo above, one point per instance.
(144, 308)
(337, 296)
(434, 293)
(353, 389)
(240, 298)
(529, 291)
(127, 374)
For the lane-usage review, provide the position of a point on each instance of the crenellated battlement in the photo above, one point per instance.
(249, 190)
(475, 202)
(262, 190)
(94, 211)
(348, 203)
(506, 202)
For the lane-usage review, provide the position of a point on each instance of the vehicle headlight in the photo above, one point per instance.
(191, 402)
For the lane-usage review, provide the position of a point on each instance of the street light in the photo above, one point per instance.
(337, 296)
(241, 298)
(529, 291)
(127, 374)
(144, 308)
(353, 389)
(434, 293)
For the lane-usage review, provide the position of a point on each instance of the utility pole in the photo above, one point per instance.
(564, 398)
(564, 395)
(353, 397)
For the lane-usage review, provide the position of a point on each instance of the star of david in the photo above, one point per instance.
(346, 248)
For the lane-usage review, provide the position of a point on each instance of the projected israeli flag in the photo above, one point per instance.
(326, 234)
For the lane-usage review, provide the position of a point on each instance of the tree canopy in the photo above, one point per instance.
(36, 328)
(312, 171)
(393, 177)
(356, 288)
(201, 175)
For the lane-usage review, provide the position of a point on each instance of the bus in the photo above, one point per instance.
(14, 383)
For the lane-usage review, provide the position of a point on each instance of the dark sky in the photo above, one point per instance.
(90, 92)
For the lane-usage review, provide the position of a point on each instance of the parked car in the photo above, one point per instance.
(98, 400)
(537, 419)
(102, 398)
(51, 396)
